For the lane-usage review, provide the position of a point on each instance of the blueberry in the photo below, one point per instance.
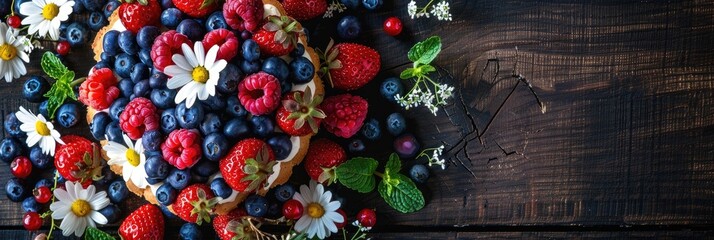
(110, 43)
(348, 27)
(107, 176)
(39, 159)
(126, 86)
(146, 35)
(277, 67)
(371, 130)
(301, 70)
(168, 121)
(179, 178)
(166, 194)
(274, 210)
(12, 126)
(419, 173)
(30, 205)
(141, 89)
(214, 103)
(117, 191)
(105, 57)
(123, 65)
(111, 212)
(68, 114)
(163, 98)
(77, 34)
(140, 72)
(256, 205)
(171, 17)
(251, 50)
(76, 9)
(97, 21)
(190, 231)
(205, 168)
(211, 124)
(127, 42)
(284, 192)
(262, 125)
(371, 4)
(158, 80)
(93, 5)
(34, 89)
(44, 182)
(216, 21)
(167, 213)
(351, 4)
(42, 109)
(236, 128)
(355, 146)
(245, 35)
(145, 57)
(60, 180)
(156, 167)
(281, 145)
(9, 149)
(298, 51)
(215, 146)
(234, 108)
(229, 79)
(151, 140)
(406, 146)
(250, 67)
(220, 188)
(396, 124)
(391, 87)
(189, 117)
(167, 4)
(113, 132)
(117, 108)
(192, 29)
(109, 8)
(285, 87)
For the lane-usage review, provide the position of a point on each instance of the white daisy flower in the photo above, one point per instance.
(38, 130)
(45, 16)
(131, 158)
(320, 213)
(78, 208)
(12, 53)
(196, 73)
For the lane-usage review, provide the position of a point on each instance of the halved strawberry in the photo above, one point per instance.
(350, 66)
(195, 204)
(278, 36)
(300, 108)
(145, 223)
(248, 164)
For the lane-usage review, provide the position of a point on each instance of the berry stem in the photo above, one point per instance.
(423, 10)
(77, 81)
(379, 174)
(52, 220)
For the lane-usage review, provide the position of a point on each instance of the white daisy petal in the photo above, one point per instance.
(173, 70)
(210, 57)
(68, 224)
(302, 223)
(190, 56)
(82, 225)
(32, 139)
(181, 62)
(200, 53)
(98, 217)
(179, 80)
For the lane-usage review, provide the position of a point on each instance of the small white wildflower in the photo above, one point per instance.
(441, 11)
(334, 6)
(412, 9)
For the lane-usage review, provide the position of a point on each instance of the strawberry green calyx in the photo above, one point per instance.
(90, 167)
(330, 61)
(303, 108)
(141, 2)
(327, 176)
(203, 207)
(258, 169)
(285, 28)
(207, 3)
(242, 228)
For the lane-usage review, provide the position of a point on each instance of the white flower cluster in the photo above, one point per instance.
(334, 6)
(417, 97)
(441, 10)
(435, 158)
(360, 228)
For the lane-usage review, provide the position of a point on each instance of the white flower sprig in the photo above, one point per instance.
(435, 157)
(335, 6)
(441, 10)
(425, 92)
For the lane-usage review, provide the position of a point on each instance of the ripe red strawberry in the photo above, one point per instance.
(300, 108)
(197, 8)
(305, 9)
(322, 158)
(247, 165)
(99, 90)
(345, 114)
(145, 223)
(233, 219)
(243, 14)
(78, 160)
(165, 46)
(351, 65)
(195, 204)
(227, 43)
(136, 14)
(259, 93)
(278, 36)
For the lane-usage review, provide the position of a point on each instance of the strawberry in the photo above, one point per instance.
(136, 14)
(322, 158)
(350, 66)
(195, 203)
(278, 36)
(345, 114)
(78, 160)
(300, 108)
(232, 225)
(247, 165)
(197, 8)
(145, 223)
(305, 9)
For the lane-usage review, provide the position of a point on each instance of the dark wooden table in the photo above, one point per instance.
(624, 149)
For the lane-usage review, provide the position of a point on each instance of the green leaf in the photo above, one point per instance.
(407, 74)
(425, 51)
(58, 93)
(405, 197)
(394, 165)
(53, 66)
(426, 69)
(357, 174)
(96, 234)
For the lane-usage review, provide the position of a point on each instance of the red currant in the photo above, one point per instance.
(63, 48)
(42, 194)
(14, 21)
(32, 221)
(393, 26)
(344, 216)
(21, 167)
(367, 217)
(292, 209)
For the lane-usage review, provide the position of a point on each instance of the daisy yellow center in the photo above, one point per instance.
(7, 52)
(50, 11)
(132, 157)
(81, 208)
(42, 128)
(200, 74)
(315, 210)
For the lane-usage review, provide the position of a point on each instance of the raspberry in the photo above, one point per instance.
(138, 116)
(244, 14)
(345, 114)
(165, 46)
(182, 148)
(227, 43)
(259, 93)
(99, 90)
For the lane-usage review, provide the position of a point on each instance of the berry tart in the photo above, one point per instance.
(230, 109)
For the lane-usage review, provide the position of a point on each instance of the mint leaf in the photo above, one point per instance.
(357, 174)
(404, 196)
(425, 51)
(53, 66)
(407, 74)
(426, 69)
(60, 91)
(394, 165)
(95, 234)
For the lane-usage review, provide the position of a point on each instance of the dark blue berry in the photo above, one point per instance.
(277, 67)
(396, 124)
(113, 132)
(9, 149)
(236, 128)
(215, 146)
(256, 205)
(158, 80)
(107, 177)
(46, 182)
(141, 89)
(39, 159)
(234, 108)
(35, 88)
(214, 103)
(12, 126)
(262, 125)
(171, 17)
(284, 192)
(281, 145)
(167, 4)
(78, 7)
(117, 108)
(166, 194)
(211, 123)
(419, 173)
(250, 67)
(390, 88)
(151, 140)
(371, 4)
(110, 43)
(192, 29)
(68, 114)
(97, 21)
(117, 191)
(355, 146)
(126, 86)
(298, 51)
(163, 98)
(109, 8)
(351, 4)
(77, 34)
(168, 121)
(189, 117)
(42, 109)
(251, 50)
(145, 57)
(127, 42)
(111, 212)
(371, 130)
(348, 27)
(140, 72)
(228, 79)
(245, 35)
(216, 21)
(301, 70)
(156, 167)
(220, 188)
(105, 57)
(102, 64)
(146, 35)
(93, 5)
(179, 178)
(190, 231)
(205, 168)
(30, 205)
(123, 65)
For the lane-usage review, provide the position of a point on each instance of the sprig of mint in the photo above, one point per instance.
(64, 82)
(421, 55)
(397, 189)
